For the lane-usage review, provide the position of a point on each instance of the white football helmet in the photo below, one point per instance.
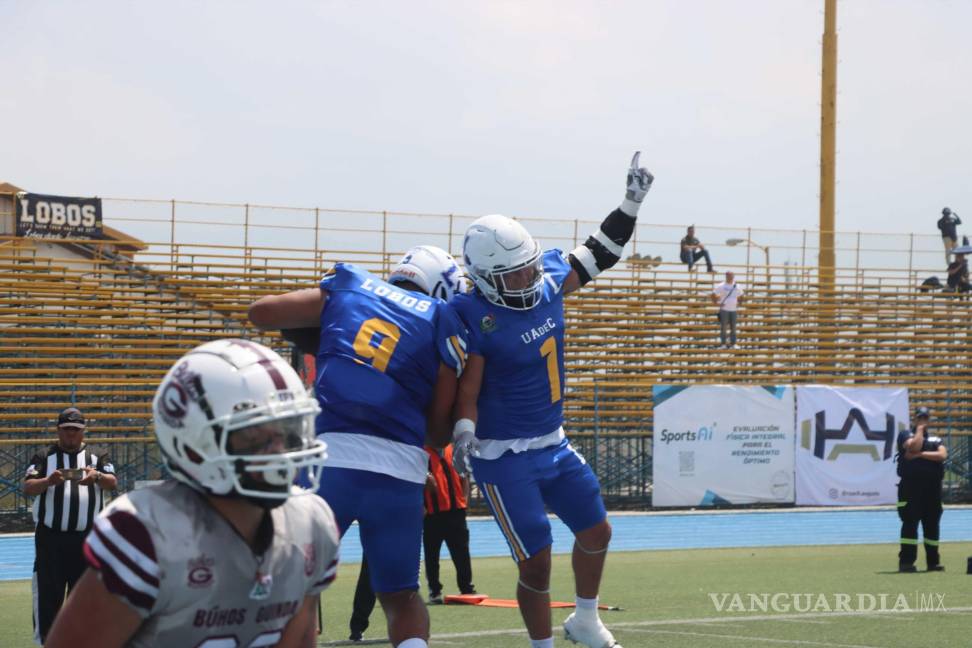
(432, 269)
(232, 418)
(504, 262)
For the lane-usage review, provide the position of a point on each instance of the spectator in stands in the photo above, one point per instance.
(446, 494)
(692, 250)
(947, 224)
(728, 296)
(931, 284)
(958, 274)
(67, 481)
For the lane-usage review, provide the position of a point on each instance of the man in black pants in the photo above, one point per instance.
(68, 480)
(446, 494)
(921, 458)
(364, 603)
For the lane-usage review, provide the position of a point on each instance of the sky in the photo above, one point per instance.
(529, 108)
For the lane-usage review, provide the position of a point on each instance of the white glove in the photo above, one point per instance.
(464, 446)
(639, 182)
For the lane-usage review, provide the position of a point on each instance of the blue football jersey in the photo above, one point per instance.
(379, 355)
(522, 394)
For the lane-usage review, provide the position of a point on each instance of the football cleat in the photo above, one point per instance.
(588, 634)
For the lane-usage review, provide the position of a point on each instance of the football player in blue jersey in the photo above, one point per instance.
(510, 405)
(389, 354)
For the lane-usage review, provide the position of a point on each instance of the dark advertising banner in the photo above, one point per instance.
(43, 216)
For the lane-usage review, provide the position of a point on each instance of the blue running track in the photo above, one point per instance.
(640, 532)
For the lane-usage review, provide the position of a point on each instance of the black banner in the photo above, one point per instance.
(44, 216)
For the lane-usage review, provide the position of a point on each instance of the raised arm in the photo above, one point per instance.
(604, 247)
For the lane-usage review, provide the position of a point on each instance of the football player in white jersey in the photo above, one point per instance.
(227, 555)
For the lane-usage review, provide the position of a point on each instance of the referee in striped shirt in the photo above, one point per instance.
(68, 480)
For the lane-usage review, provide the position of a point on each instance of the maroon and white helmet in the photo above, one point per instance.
(233, 418)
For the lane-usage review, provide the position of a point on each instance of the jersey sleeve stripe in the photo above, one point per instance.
(329, 575)
(102, 546)
(117, 576)
(460, 352)
(455, 358)
(139, 600)
(130, 540)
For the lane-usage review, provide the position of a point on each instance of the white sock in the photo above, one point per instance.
(586, 609)
(542, 643)
(415, 642)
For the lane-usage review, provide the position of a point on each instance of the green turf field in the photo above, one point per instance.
(666, 599)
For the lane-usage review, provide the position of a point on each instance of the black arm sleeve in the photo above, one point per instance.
(603, 248)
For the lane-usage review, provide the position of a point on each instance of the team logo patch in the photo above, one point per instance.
(488, 323)
(200, 571)
(173, 404)
(262, 586)
(310, 559)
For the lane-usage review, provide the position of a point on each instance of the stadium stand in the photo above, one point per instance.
(97, 323)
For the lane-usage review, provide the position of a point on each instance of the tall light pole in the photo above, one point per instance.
(828, 143)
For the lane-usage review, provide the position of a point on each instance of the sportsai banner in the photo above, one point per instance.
(43, 216)
(716, 444)
(845, 454)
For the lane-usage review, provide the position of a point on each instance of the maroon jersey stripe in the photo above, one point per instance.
(129, 527)
(124, 559)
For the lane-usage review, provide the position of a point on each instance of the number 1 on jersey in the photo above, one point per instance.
(380, 355)
(549, 349)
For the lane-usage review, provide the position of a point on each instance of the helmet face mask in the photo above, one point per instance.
(430, 268)
(505, 262)
(233, 419)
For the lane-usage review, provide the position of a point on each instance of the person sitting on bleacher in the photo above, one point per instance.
(958, 274)
(692, 250)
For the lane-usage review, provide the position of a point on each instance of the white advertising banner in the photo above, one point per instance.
(845, 454)
(721, 444)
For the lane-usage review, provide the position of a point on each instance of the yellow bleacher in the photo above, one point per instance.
(110, 329)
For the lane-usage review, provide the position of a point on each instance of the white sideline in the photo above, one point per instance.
(744, 618)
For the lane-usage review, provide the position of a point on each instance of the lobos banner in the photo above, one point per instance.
(846, 448)
(716, 444)
(42, 216)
